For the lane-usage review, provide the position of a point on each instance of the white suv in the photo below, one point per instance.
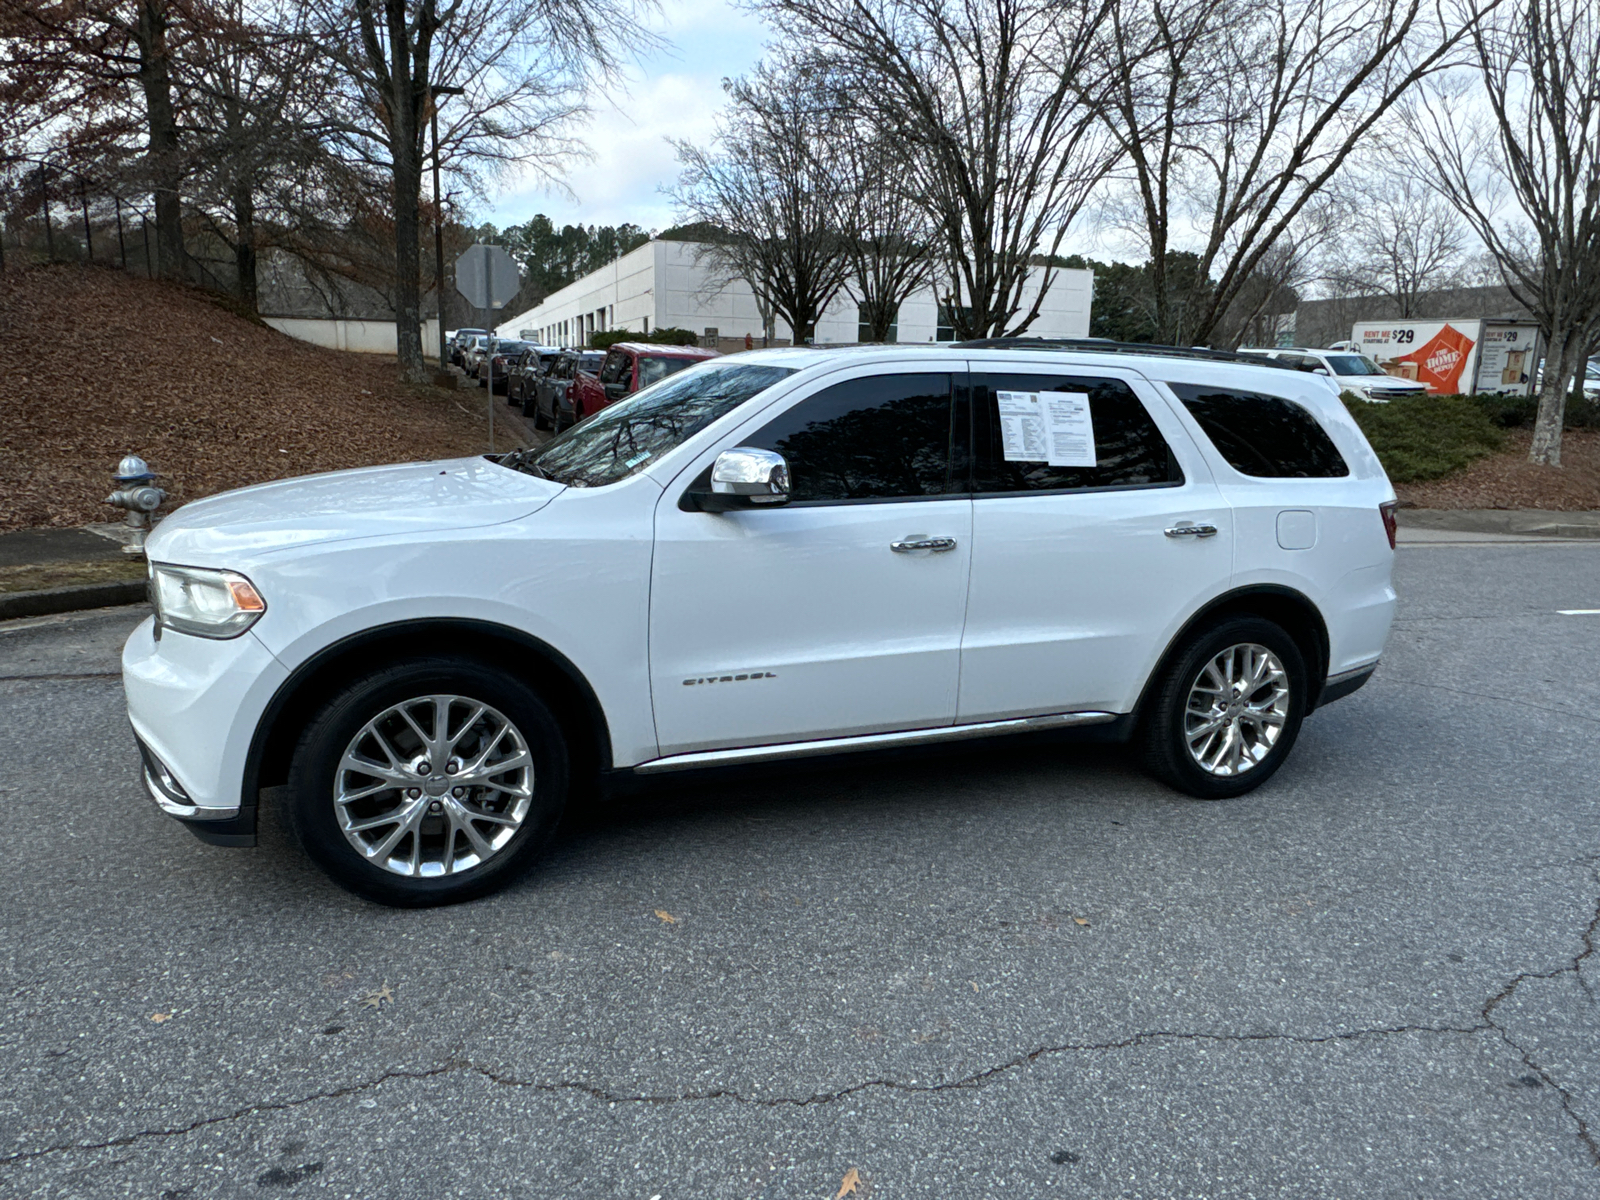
(777, 553)
(1351, 372)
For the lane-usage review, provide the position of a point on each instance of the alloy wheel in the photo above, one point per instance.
(1238, 705)
(433, 786)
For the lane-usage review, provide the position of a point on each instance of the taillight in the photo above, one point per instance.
(1390, 524)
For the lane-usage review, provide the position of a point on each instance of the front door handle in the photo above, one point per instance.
(937, 544)
(1194, 531)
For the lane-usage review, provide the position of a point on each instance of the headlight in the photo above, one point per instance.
(213, 604)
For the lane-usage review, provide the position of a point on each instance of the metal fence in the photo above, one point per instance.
(52, 212)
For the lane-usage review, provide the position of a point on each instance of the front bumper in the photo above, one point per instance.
(194, 704)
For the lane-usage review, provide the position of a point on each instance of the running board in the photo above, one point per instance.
(869, 741)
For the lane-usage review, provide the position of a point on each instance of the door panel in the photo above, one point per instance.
(803, 621)
(1077, 587)
(796, 623)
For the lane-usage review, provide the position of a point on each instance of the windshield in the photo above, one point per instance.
(508, 347)
(620, 440)
(654, 370)
(1353, 364)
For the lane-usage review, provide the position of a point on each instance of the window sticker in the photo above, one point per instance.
(1049, 427)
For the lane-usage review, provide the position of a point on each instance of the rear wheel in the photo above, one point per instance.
(1227, 710)
(540, 421)
(429, 783)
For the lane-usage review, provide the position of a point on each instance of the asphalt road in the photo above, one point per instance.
(1007, 972)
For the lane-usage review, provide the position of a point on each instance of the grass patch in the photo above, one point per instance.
(36, 577)
(1426, 437)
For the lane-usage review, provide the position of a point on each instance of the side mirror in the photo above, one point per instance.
(743, 477)
(616, 391)
(1321, 371)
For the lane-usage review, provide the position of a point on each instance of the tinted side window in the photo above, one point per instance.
(884, 437)
(1129, 449)
(1260, 435)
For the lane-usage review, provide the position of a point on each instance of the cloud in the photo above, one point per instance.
(676, 93)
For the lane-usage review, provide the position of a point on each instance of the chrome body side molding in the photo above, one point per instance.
(869, 741)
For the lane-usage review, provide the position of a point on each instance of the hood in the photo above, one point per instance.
(412, 498)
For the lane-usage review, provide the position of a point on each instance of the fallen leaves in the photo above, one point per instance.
(207, 418)
(378, 998)
(849, 1185)
(163, 1018)
(1080, 920)
(666, 917)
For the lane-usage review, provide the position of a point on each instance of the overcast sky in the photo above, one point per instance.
(675, 92)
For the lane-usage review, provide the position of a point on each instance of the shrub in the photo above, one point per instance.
(1424, 437)
(666, 336)
(1520, 412)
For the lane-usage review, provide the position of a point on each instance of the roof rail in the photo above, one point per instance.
(1105, 346)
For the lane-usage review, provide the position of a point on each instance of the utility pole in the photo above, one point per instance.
(435, 91)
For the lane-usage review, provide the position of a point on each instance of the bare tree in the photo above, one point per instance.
(1235, 114)
(770, 187)
(887, 239)
(103, 69)
(1002, 146)
(524, 67)
(253, 85)
(1524, 172)
(1401, 241)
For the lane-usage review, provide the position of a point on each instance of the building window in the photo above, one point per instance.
(946, 329)
(864, 325)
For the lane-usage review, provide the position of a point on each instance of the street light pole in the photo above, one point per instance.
(438, 213)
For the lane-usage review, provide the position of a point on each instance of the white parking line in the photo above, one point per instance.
(1579, 612)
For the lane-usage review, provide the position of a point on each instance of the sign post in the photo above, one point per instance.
(487, 276)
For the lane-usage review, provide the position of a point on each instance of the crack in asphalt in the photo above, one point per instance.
(1575, 968)
(975, 1080)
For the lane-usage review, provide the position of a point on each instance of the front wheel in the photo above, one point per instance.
(1226, 712)
(428, 783)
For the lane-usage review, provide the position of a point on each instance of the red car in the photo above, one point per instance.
(629, 366)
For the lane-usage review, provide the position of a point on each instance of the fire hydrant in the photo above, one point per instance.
(138, 494)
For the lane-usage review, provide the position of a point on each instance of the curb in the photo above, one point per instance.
(70, 599)
(1524, 522)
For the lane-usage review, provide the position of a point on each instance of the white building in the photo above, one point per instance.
(659, 285)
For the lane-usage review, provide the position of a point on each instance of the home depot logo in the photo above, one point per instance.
(1441, 359)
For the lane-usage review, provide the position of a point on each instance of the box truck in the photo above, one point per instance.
(1457, 355)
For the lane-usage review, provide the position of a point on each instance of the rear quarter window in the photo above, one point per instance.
(1265, 436)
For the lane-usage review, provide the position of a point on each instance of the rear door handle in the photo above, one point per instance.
(1194, 531)
(937, 544)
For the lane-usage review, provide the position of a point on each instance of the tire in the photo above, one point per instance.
(429, 826)
(1180, 712)
(540, 421)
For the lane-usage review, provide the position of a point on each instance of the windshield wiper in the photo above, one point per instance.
(518, 460)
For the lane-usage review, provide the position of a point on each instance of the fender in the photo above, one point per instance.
(1270, 600)
(535, 660)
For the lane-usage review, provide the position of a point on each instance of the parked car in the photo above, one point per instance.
(628, 367)
(1350, 372)
(472, 353)
(778, 554)
(552, 391)
(458, 341)
(502, 354)
(528, 366)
